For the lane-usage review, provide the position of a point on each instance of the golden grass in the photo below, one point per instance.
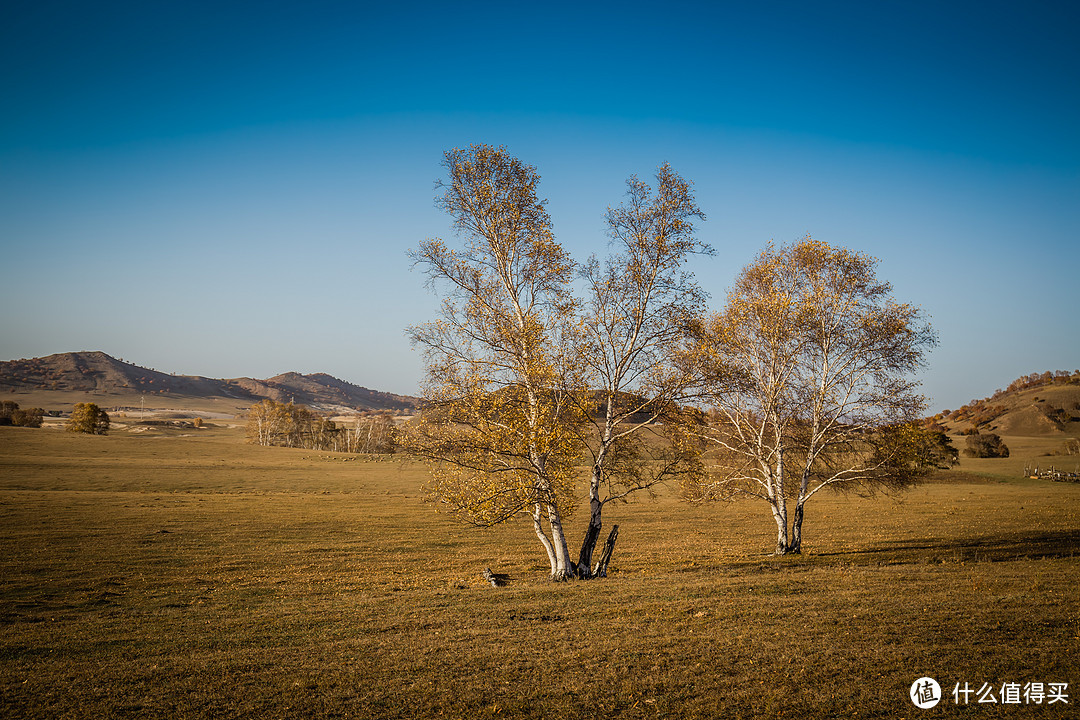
(201, 577)
(65, 400)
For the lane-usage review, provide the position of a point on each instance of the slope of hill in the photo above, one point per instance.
(321, 389)
(1034, 405)
(96, 372)
(117, 382)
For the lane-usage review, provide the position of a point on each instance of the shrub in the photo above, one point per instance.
(88, 418)
(31, 417)
(7, 407)
(10, 414)
(985, 445)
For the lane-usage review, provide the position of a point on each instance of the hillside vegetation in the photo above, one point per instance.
(1038, 404)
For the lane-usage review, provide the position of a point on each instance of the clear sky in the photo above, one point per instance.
(226, 189)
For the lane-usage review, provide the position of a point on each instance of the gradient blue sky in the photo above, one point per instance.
(230, 189)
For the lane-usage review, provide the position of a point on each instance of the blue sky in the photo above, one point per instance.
(230, 189)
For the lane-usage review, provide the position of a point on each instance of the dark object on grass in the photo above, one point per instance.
(496, 579)
(985, 445)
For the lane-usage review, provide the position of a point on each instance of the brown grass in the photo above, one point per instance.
(64, 400)
(1024, 451)
(171, 576)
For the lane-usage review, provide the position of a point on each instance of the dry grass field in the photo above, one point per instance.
(66, 399)
(155, 575)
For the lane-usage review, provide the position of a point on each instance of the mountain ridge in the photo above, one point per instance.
(98, 373)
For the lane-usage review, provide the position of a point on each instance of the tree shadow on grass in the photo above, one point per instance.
(919, 551)
(985, 548)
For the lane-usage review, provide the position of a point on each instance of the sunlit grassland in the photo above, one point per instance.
(198, 576)
(1024, 452)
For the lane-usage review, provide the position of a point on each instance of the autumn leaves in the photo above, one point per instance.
(778, 395)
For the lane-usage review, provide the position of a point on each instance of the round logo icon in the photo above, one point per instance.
(925, 692)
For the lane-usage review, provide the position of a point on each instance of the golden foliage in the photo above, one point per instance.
(500, 386)
(88, 418)
(808, 362)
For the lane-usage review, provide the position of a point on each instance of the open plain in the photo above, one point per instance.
(187, 574)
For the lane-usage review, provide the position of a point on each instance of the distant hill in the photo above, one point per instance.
(99, 374)
(1035, 405)
(320, 389)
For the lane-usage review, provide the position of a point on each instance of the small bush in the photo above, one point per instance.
(10, 414)
(985, 445)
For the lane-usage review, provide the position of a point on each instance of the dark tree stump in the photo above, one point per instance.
(605, 556)
(585, 556)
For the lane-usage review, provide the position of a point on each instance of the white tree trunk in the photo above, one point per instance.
(779, 511)
(564, 566)
(544, 540)
(779, 505)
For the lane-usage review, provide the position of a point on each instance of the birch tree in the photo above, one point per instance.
(500, 426)
(809, 371)
(374, 434)
(639, 303)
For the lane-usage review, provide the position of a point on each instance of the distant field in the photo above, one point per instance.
(172, 574)
(1023, 452)
(64, 400)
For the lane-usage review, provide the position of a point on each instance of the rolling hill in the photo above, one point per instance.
(1040, 404)
(57, 379)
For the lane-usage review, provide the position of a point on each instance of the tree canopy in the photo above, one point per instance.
(500, 425)
(638, 305)
(88, 418)
(809, 370)
(11, 414)
(803, 381)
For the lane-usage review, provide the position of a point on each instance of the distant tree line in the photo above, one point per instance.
(1057, 377)
(272, 423)
(10, 414)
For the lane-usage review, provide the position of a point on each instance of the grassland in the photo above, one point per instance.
(155, 575)
(65, 400)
